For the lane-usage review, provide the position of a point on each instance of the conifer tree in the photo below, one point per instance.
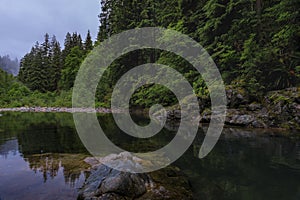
(88, 43)
(56, 63)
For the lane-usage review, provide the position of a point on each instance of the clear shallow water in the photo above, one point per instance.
(35, 156)
(41, 158)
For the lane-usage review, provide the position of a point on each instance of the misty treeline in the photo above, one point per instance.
(255, 44)
(9, 65)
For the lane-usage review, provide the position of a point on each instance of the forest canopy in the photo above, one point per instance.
(254, 43)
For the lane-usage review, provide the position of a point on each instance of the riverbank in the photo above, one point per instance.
(277, 109)
(56, 109)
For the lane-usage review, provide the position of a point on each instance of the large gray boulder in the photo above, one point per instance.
(105, 183)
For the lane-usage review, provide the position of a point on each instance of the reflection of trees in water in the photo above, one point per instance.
(9, 146)
(133, 144)
(243, 160)
(47, 141)
(49, 138)
(13, 123)
(71, 165)
(46, 138)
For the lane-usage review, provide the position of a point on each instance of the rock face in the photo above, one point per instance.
(105, 183)
(236, 97)
(278, 109)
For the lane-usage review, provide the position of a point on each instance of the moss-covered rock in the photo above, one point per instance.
(283, 108)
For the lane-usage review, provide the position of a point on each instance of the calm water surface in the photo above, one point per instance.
(41, 157)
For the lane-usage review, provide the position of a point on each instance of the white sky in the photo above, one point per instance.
(23, 22)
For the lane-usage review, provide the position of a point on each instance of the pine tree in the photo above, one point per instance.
(104, 28)
(56, 64)
(45, 66)
(67, 46)
(88, 43)
(40, 69)
(36, 70)
(71, 67)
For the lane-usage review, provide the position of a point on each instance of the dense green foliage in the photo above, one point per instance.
(255, 44)
(47, 73)
(10, 89)
(15, 94)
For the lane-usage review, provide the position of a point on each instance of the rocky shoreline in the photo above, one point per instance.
(57, 109)
(277, 109)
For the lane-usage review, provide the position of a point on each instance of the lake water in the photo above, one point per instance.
(41, 157)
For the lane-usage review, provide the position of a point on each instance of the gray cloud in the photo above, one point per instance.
(23, 22)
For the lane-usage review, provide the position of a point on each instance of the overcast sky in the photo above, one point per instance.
(23, 22)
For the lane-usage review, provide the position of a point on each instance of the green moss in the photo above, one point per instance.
(285, 125)
(276, 98)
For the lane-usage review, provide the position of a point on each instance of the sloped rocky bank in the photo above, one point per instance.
(277, 109)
